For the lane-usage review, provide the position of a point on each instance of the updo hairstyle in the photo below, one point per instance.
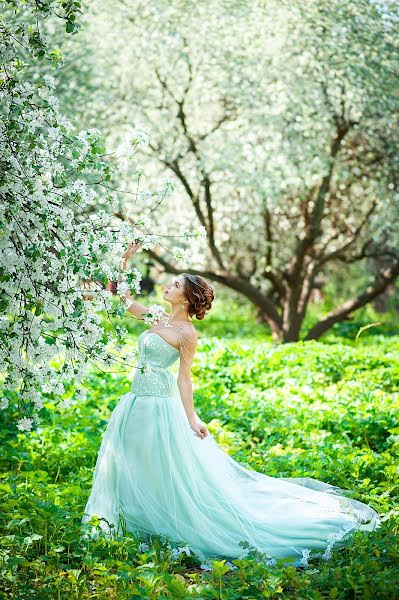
(199, 294)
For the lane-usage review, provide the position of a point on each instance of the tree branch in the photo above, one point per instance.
(381, 282)
(339, 252)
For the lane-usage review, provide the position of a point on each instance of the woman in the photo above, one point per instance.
(160, 471)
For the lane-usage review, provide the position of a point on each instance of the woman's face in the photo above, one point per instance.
(174, 290)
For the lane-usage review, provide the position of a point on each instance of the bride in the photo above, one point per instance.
(159, 470)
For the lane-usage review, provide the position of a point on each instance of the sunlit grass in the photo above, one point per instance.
(325, 409)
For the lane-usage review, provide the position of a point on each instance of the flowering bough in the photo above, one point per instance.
(51, 238)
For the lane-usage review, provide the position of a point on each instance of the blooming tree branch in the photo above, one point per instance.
(56, 252)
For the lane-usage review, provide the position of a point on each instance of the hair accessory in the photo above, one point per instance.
(193, 278)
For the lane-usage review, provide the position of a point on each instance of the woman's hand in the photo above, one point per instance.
(132, 249)
(199, 428)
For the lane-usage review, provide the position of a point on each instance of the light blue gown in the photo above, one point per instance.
(153, 474)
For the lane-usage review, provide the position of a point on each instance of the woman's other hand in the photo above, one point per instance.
(199, 428)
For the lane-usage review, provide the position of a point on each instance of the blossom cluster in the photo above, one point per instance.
(60, 243)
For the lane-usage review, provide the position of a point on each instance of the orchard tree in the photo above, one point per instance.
(278, 122)
(50, 242)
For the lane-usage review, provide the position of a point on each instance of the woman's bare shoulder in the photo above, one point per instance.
(190, 332)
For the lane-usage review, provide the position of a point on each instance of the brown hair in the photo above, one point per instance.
(199, 293)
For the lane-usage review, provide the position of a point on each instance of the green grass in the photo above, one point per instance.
(326, 409)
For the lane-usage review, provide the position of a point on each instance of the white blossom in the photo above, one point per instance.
(154, 314)
(4, 403)
(25, 424)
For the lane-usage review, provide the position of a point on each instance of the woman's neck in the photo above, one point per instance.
(178, 314)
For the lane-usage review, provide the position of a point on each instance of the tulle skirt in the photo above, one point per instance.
(153, 474)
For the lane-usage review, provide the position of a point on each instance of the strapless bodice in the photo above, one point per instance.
(155, 356)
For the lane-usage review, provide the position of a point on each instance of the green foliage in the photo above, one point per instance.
(327, 411)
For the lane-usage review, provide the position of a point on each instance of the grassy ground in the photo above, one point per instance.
(326, 409)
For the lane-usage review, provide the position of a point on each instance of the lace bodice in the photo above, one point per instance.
(154, 350)
(155, 356)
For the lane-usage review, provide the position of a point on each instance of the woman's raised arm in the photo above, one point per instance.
(136, 308)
